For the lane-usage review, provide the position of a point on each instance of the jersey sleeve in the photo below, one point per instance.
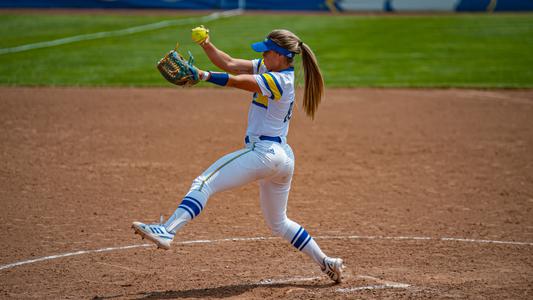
(270, 84)
(256, 65)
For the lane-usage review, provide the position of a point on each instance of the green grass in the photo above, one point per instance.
(460, 50)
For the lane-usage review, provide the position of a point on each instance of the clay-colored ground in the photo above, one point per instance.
(79, 165)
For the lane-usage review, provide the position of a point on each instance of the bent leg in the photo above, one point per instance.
(232, 170)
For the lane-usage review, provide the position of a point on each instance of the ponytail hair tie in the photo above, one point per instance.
(300, 43)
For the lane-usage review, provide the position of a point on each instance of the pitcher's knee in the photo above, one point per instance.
(200, 187)
(197, 182)
(279, 228)
(201, 184)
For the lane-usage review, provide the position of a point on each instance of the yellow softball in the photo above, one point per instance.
(199, 34)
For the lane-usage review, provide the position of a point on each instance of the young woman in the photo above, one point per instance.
(266, 156)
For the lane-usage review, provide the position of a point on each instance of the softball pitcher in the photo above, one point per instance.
(266, 156)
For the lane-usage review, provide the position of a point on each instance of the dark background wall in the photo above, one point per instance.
(353, 5)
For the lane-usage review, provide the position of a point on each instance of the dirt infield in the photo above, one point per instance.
(424, 193)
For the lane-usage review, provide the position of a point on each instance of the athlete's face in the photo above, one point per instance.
(274, 61)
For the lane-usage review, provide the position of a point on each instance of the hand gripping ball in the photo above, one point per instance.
(199, 34)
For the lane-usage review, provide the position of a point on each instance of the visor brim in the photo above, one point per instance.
(260, 47)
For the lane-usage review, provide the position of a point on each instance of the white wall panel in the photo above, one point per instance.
(413, 5)
(361, 5)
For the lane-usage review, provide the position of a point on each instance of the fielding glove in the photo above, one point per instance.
(177, 70)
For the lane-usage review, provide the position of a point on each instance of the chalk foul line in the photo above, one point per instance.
(121, 32)
(366, 237)
(423, 238)
(248, 239)
(31, 261)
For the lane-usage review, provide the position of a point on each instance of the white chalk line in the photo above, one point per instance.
(373, 287)
(259, 238)
(30, 261)
(422, 238)
(121, 32)
(382, 284)
(81, 252)
(287, 280)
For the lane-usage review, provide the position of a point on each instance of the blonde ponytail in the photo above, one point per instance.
(314, 83)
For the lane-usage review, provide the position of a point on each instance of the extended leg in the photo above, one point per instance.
(230, 171)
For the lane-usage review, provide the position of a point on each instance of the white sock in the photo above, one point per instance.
(302, 241)
(313, 250)
(192, 204)
(179, 218)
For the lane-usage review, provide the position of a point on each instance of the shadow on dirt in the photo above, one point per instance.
(215, 292)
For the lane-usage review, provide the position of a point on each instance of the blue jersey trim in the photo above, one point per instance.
(259, 104)
(289, 69)
(277, 84)
(266, 84)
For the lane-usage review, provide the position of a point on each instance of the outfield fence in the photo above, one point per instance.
(311, 5)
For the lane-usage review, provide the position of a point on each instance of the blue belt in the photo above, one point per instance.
(265, 138)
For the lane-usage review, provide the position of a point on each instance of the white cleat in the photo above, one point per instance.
(333, 268)
(155, 233)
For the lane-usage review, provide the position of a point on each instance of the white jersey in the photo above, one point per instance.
(270, 112)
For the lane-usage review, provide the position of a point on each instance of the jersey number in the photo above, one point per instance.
(289, 113)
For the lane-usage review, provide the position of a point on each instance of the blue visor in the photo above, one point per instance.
(268, 44)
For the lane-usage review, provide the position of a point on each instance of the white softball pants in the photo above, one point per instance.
(272, 164)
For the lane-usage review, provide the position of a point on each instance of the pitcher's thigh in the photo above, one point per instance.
(232, 170)
(274, 197)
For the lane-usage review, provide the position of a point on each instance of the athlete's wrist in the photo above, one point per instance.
(205, 44)
(204, 75)
(218, 78)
